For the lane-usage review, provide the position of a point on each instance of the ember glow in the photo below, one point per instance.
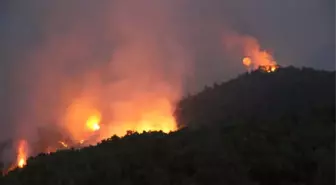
(22, 154)
(247, 61)
(63, 144)
(156, 122)
(269, 68)
(93, 122)
(82, 119)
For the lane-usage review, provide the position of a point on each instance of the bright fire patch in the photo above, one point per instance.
(93, 123)
(63, 144)
(247, 61)
(157, 123)
(263, 62)
(256, 58)
(269, 68)
(152, 114)
(22, 154)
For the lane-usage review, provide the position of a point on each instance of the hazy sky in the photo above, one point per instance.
(300, 32)
(48, 44)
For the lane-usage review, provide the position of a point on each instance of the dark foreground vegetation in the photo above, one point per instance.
(267, 129)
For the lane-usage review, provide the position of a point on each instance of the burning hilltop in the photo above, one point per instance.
(258, 59)
(247, 48)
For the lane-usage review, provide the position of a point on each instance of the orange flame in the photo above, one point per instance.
(93, 122)
(63, 144)
(155, 121)
(269, 68)
(259, 59)
(254, 56)
(22, 154)
(247, 61)
(154, 116)
(82, 119)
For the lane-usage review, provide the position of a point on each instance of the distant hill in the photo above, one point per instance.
(257, 129)
(288, 93)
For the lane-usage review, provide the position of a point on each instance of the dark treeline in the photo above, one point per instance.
(260, 128)
(290, 94)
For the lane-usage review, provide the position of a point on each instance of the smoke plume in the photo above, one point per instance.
(124, 60)
(247, 49)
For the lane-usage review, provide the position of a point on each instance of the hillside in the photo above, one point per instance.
(290, 93)
(259, 128)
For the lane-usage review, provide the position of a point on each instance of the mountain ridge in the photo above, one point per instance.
(259, 128)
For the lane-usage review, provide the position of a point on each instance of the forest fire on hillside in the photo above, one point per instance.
(139, 115)
(268, 68)
(259, 59)
(93, 123)
(254, 57)
(21, 157)
(84, 90)
(22, 154)
(63, 144)
(156, 117)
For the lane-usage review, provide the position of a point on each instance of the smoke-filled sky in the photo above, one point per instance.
(119, 55)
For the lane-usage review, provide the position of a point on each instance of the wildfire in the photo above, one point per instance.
(139, 116)
(261, 60)
(22, 154)
(269, 68)
(63, 144)
(255, 57)
(247, 61)
(132, 86)
(156, 122)
(93, 122)
(82, 120)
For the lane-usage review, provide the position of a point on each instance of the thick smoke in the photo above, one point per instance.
(247, 47)
(131, 60)
(123, 59)
(299, 33)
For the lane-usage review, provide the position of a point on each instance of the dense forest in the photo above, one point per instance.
(259, 128)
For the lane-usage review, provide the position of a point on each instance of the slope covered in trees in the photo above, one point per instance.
(288, 94)
(259, 128)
